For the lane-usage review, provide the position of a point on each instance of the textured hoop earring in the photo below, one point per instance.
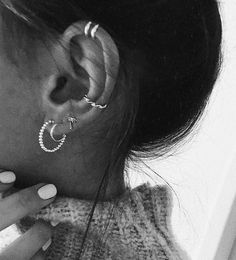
(41, 132)
(93, 104)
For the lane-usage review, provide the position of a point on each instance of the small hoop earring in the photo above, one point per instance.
(41, 132)
(90, 32)
(51, 134)
(93, 104)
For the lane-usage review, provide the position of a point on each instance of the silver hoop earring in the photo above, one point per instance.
(51, 134)
(93, 104)
(41, 132)
(90, 33)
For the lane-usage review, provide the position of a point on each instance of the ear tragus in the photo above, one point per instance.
(88, 70)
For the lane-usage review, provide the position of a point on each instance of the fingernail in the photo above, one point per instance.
(54, 223)
(7, 177)
(47, 192)
(46, 246)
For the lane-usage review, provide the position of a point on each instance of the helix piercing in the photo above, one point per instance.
(86, 28)
(41, 132)
(92, 31)
(93, 104)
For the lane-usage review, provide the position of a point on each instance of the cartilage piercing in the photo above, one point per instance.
(93, 104)
(90, 32)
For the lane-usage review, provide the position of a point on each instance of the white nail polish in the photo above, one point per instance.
(7, 177)
(46, 246)
(47, 192)
(54, 223)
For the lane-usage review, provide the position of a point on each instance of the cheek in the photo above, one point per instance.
(18, 118)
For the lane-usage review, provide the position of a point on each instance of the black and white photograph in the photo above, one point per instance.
(118, 130)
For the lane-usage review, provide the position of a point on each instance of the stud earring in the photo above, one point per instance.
(72, 120)
(41, 132)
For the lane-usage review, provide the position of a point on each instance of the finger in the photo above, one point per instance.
(25, 202)
(27, 245)
(7, 180)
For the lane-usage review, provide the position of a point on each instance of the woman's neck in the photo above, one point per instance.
(76, 174)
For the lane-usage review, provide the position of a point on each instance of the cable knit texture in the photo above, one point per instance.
(139, 227)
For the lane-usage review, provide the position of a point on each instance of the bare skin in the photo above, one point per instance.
(76, 170)
(78, 167)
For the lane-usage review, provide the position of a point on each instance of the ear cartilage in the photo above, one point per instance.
(90, 32)
(93, 104)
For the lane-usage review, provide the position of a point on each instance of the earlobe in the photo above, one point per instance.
(90, 48)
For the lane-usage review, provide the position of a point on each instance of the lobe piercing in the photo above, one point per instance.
(72, 120)
(41, 132)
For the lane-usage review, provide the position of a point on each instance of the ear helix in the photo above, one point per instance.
(89, 31)
(97, 97)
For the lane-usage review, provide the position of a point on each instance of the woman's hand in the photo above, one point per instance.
(18, 205)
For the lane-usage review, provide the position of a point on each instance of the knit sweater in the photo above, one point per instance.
(139, 227)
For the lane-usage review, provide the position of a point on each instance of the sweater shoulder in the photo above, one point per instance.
(157, 202)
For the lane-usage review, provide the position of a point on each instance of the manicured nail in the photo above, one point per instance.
(7, 177)
(46, 246)
(54, 223)
(47, 192)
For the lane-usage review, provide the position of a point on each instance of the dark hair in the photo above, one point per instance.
(170, 55)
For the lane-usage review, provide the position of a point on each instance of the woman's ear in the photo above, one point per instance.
(88, 62)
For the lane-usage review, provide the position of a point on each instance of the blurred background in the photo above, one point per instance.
(203, 172)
